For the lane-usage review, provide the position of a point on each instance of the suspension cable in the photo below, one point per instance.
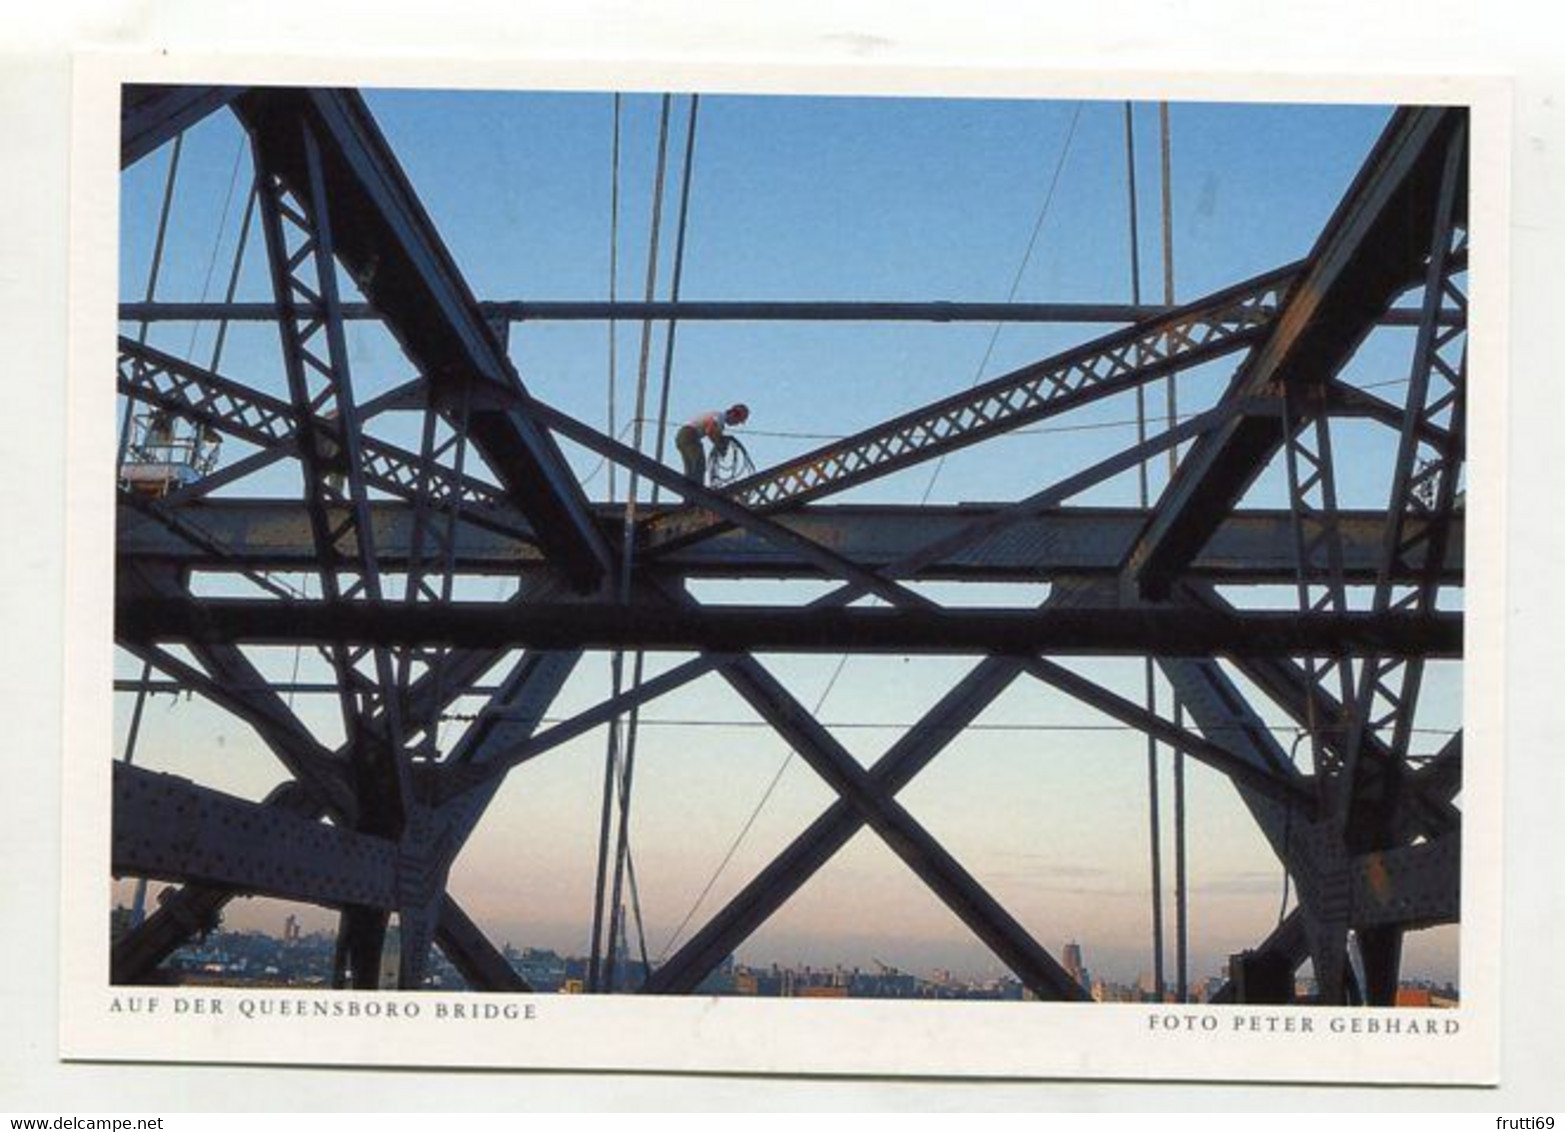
(1171, 385)
(619, 771)
(1149, 674)
(1016, 280)
(139, 901)
(755, 813)
(613, 281)
(610, 758)
(633, 730)
(674, 285)
(152, 283)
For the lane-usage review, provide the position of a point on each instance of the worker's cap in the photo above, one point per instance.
(738, 414)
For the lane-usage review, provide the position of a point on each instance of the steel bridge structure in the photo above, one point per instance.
(1366, 826)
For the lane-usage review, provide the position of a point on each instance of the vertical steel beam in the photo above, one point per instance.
(315, 357)
(1423, 499)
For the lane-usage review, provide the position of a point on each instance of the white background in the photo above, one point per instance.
(1433, 37)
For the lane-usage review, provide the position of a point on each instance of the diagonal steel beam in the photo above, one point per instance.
(243, 695)
(301, 245)
(151, 114)
(196, 394)
(1370, 250)
(390, 247)
(812, 849)
(920, 851)
(478, 960)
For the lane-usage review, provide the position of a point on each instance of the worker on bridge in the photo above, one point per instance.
(707, 426)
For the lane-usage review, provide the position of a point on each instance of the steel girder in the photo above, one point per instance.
(1394, 886)
(239, 688)
(1250, 547)
(812, 849)
(506, 312)
(151, 115)
(1106, 631)
(421, 860)
(1372, 249)
(400, 265)
(170, 829)
(192, 393)
(1195, 333)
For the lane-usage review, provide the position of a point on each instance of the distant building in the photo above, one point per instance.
(822, 990)
(543, 969)
(1075, 967)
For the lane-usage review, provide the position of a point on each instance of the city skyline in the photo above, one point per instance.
(1119, 965)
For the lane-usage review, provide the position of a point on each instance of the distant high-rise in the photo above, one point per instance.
(1074, 966)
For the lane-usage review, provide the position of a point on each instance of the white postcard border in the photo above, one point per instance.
(1113, 1042)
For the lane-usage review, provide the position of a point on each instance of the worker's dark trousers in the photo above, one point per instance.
(688, 441)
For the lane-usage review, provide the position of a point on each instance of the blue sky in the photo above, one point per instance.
(821, 198)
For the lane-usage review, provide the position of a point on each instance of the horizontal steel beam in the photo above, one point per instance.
(169, 828)
(1161, 631)
(258, 534)
(193, 908)
(706, 310)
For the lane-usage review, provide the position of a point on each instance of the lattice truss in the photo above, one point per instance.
(388, 523)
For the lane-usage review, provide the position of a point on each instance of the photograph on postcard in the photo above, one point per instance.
(982, 553)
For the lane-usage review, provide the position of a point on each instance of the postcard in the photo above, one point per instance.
(937, 574)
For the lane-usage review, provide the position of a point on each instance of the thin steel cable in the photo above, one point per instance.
(139, 902)
(152, 275)
(1016, 280)
(674, 285)
(605, 818)
(628, 744)
(618, 771)
(1171, 407)
(153, 270)
(1149, 672)
(217, 244)
(750, 821)
(660, 432)
(613, 284)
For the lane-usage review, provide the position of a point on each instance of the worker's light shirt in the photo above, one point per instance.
(708, 424)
